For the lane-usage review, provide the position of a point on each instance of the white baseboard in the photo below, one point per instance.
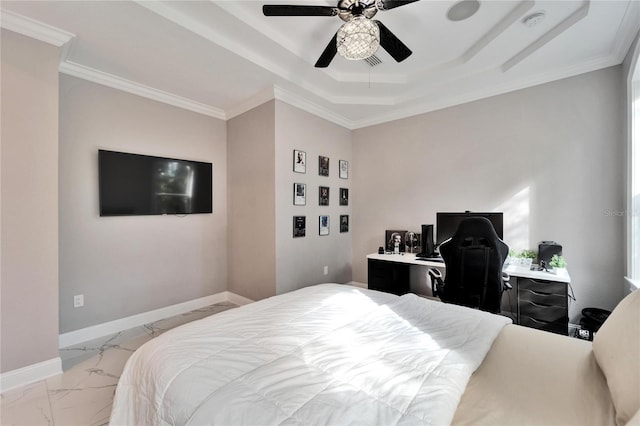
(30, 374)
(89, 333)
(237, 299)
(357, 284)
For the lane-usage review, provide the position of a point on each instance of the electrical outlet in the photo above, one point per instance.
(78, 300)
(326, 270)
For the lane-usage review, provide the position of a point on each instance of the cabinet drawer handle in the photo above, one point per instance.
(539, 321)
(542, 281)
(543, 306)
(538, 293)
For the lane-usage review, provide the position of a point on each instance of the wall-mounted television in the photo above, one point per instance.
(447, 223)
(134, 184)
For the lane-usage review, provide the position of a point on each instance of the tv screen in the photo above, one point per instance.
(133, 184)
(447, 223)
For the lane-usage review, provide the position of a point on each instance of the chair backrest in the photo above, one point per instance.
(474, 257)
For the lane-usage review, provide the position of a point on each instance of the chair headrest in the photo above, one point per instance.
(477, 227)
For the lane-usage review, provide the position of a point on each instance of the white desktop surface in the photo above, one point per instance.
(558, 274)
(404, 258)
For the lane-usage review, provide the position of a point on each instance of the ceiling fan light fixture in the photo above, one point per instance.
(358, 38)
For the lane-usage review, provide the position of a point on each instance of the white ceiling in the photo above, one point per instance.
(224, 57)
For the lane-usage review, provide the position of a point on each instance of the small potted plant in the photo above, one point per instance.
(521, 258)
(557, 261)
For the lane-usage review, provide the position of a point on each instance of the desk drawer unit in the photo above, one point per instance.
(390, 277)
(543, 305)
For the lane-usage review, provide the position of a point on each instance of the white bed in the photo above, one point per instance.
(335, 354)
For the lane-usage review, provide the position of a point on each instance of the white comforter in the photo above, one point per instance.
(327, 354)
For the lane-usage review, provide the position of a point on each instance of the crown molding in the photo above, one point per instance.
(110, 80)
(34, 29)
(485, 92)
(630, 27)
(293, 99)
(255, 101)
(311, 107)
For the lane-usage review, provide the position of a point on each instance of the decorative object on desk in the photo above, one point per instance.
(299, 161)
(344, 196)
(299, 194)
(412, 242)
(323, 196)
(344, 223)
(343, 169)
(323, 166)
(324, 225)
(380, 250)
(557, 261)
(394, 241)
(299, 226)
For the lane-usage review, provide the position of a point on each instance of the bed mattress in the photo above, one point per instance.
(326, 354)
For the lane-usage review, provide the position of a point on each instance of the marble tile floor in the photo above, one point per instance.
(83, 394)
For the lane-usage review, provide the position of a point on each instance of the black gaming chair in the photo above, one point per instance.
(474, 258)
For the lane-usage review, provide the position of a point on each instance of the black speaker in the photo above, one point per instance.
(546, 250)
(426, 248)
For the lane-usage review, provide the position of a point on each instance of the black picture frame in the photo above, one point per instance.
(343, 169)
(323, 165)
(299, 161)
(323, 195)
(344, 223)
(299, 226)
(323, 225)
(299, 194)
(344, 196)
(391, 236)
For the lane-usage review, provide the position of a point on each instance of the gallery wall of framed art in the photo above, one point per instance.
(335, 200)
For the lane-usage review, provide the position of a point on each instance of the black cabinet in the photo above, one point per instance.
(390, 277)
(541, 304)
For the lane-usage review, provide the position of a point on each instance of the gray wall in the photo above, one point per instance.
(264, 258)
(252, 202)
(301, 261)
(550, 157)
(29, 209)
(133, 264)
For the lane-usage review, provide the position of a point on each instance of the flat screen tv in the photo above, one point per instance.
(133, 184)
(447, 223)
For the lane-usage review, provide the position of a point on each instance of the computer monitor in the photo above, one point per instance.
(447, 223)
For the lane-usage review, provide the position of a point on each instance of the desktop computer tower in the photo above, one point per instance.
(427, 248)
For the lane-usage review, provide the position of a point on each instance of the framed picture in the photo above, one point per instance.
(299, 194)
(324, 225)
(393, 238)
(323, 166)
(344, 196)
(299, 161)
(344, 223)
(343, 169)
(323, 196)
(299, 226)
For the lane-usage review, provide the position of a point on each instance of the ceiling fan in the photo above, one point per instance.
(359, 37)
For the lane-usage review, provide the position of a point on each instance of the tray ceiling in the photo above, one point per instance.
(224, 57)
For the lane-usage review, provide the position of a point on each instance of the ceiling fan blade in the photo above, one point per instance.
(296, 10)
(397, 49)
(329, 52)
(390, 4)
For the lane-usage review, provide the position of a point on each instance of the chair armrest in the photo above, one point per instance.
(436, 281)
(505, 281)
